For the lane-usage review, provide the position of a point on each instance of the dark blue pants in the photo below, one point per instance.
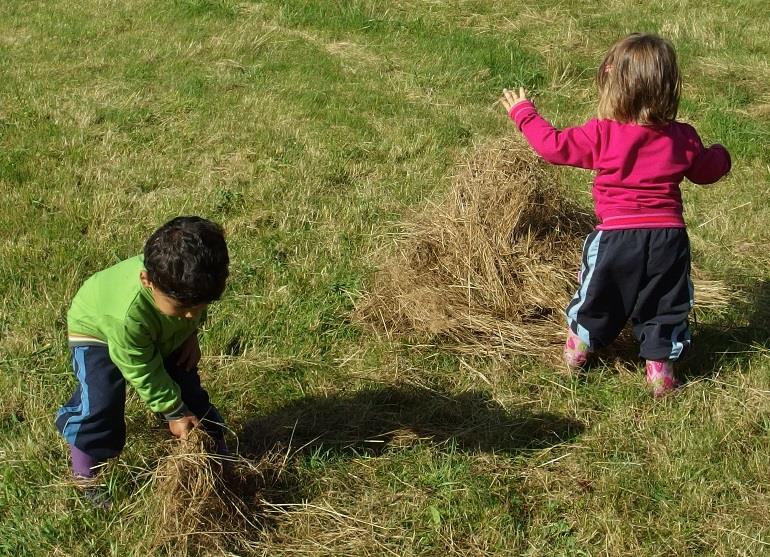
(638, 274)
(93, 420)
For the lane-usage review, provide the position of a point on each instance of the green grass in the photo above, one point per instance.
(308, 128)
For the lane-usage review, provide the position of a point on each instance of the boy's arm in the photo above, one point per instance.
(141, 364)
(571, 146)
(710, 165)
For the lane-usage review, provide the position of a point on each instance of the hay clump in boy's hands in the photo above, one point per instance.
(200, 502)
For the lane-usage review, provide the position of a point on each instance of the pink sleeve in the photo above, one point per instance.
(710, 165)
(571, 146)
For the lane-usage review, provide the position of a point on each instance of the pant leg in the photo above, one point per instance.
(93, 420)
(664, 303)
(196, 397)
(610, 275)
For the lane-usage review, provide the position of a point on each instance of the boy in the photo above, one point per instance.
(137, 322)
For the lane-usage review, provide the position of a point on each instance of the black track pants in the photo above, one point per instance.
(637, 274)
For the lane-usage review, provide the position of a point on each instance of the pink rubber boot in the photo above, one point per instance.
(660, 377)
(575, 351)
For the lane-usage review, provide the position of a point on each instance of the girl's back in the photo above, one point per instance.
(638, 167)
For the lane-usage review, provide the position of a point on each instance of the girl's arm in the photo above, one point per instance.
(711, 165)
(572, 146)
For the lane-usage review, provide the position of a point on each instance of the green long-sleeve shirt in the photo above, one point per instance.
(113, 306)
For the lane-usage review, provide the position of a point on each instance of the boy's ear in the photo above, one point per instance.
(145, 279)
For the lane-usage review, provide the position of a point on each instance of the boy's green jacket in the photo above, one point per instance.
(114, 306)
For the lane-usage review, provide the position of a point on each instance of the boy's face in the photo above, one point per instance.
(167, 305)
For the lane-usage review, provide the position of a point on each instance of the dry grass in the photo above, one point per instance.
(201, 503)
(489, 270)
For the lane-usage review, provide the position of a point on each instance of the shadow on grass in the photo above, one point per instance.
(271, 479)
(715, 346)
(379, 419)
(373, 419)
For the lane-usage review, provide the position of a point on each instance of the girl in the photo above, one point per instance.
(636, 263)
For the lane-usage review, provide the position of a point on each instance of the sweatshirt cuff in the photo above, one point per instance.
(179, 412)
(520, 111)
(520, 108)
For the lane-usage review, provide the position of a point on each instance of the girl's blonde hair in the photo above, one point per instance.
(639, 81)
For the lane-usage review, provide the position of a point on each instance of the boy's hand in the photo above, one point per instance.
(189, 353)
(510, 98)
(181, 427)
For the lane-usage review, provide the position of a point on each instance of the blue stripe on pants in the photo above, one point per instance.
(70, 428)
(591, 254)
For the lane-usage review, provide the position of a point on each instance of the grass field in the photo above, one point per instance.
(310, 129)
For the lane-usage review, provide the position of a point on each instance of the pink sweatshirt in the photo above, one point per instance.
(639, 168)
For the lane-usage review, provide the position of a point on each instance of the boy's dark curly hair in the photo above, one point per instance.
(187, 260)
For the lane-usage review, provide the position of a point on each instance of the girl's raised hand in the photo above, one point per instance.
(510, 98)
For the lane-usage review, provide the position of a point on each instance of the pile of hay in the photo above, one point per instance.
(201, 503)
(489, 270)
